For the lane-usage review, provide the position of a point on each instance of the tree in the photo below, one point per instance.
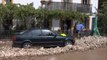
(101, 3)
(25, 13)
(102, 22)
(16, 11)
(6, 16)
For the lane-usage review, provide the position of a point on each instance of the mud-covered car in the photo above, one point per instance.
(40, 37)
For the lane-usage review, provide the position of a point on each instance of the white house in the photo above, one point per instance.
(94, 9)
(36, 3)
(94, 3)
(92, 6)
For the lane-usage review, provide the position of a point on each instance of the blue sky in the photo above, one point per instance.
(36, 2)
(0, 1)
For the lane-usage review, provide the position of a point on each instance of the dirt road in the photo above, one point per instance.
(97, 54)
(82, 50)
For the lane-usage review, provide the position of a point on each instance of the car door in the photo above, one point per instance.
(36, 36)
(49, 38)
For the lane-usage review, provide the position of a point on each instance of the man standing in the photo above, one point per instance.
(79, 28)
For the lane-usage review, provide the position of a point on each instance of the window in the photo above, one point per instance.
(8, 1)
(36, 32)
(47, 33)
(86, 1)
(33, 33)
(66, 0)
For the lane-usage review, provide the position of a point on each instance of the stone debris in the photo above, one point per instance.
(82, 44)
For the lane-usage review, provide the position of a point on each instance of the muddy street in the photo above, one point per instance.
(97, 54)
(86, 48)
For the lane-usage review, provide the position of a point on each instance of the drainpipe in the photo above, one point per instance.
(95, 27)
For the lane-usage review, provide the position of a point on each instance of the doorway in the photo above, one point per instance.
(66, 24)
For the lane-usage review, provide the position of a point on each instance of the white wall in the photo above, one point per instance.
(93, 2)
(91, 22)
(55, 24)
(0, 1)
(94, 5)
(76, 1)
(94, 10)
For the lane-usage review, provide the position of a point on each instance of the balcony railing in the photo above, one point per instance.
(69, 6)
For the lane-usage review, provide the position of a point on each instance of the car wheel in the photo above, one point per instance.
(26, 45)
(73, 42)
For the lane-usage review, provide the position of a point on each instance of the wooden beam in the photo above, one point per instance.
(11, 1)
(89, 23)
(3, 2)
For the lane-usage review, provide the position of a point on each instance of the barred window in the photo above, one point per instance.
(86, 1)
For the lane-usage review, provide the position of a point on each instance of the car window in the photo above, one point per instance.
(33, 33)
(36, 32)
(22, 32)
(47, 33)
(28, 33)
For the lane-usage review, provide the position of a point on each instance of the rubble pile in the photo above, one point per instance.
(85, 43)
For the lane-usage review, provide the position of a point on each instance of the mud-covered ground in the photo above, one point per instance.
(96, 54)
(83, 44)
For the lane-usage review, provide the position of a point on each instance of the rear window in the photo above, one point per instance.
(31, 32)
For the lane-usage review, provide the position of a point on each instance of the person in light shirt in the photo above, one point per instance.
(79, 28)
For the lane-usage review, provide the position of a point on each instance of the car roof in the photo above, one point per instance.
(24, 31)
(38, 29)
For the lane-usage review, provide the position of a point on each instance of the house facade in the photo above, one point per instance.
(88, 7)
(93, 3)
(93, 10)
(84, 6)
